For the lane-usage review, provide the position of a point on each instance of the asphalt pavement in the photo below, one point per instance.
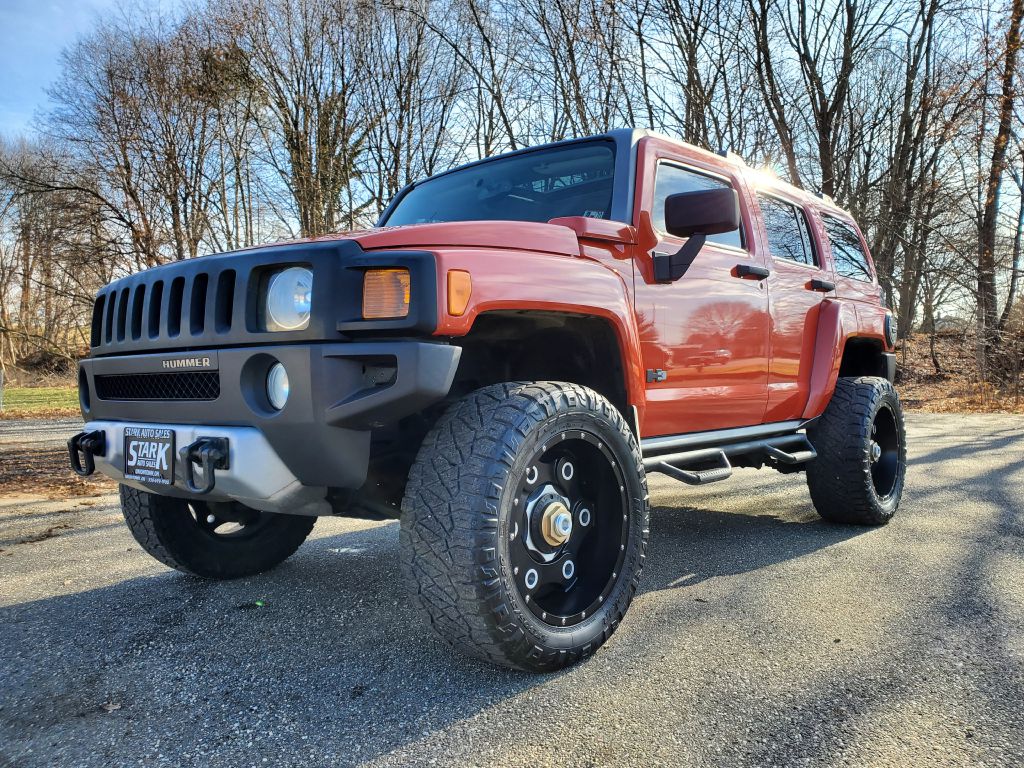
(761, 636)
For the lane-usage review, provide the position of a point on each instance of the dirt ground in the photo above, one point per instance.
(34, 461)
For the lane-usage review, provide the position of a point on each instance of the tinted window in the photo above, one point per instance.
(672, 180)
(848, 256)
(572, 180)
(786, 227)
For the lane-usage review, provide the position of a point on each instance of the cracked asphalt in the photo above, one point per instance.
(762, 636)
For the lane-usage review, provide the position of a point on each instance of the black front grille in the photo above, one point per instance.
(183, 385)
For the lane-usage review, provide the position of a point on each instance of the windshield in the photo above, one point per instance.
(571, 180)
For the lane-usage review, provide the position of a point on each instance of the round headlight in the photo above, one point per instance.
(277, 386)
(289, 297)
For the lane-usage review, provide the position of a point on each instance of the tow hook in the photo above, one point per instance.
(211, 453)
(83, 447)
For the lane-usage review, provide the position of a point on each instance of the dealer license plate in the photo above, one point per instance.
(149, 455)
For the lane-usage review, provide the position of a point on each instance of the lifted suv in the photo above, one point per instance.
(499, 364)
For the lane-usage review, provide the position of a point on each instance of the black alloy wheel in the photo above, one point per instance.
(569, 528)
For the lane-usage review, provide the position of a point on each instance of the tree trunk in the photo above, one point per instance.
(988, 318)
(1015, 267)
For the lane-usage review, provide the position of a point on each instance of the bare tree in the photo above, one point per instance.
(988, 317)
(304, 64)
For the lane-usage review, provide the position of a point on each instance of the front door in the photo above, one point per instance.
(704, 337)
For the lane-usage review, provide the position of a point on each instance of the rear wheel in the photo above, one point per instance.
(862, 453)
(524, 524)
(211, 540)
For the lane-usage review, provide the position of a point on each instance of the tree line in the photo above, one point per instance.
(238, 122)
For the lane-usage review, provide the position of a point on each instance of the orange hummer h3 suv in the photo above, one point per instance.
(499, 364)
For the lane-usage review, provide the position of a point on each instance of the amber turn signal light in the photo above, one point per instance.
(385, 294)
(460, 288)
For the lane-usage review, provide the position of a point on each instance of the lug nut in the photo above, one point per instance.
(568, 569)
(584, 517)
(531, 578)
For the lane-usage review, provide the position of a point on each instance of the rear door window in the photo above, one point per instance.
(788, 234)
(848, 256)
(673, 179)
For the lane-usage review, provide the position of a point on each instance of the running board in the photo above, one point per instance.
(791, 450)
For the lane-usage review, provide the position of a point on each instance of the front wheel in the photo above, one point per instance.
(524, 523)
(211, 540)
(862, 453)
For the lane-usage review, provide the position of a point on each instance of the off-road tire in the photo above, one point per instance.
(843, 487)
(455, 528)
(167, 530)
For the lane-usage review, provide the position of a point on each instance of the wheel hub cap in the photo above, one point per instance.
(556, 524)
(876, 451)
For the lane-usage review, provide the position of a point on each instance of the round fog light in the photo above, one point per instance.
(277, 386)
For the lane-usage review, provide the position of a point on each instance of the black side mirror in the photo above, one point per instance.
(694, 215)
(702, 212)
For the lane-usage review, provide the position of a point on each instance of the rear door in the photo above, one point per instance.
(798, 283)
(704, 337)
(854, 276)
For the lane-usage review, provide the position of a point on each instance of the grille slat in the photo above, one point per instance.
(181, 385)
(155, 308)
(138, 299)
(122, 313)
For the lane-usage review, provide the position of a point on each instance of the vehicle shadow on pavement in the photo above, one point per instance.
(309, 659)
(947, 674)
(329, 637)
(693, 540)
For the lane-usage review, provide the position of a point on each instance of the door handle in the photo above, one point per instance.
(821, 285)
(749, 270)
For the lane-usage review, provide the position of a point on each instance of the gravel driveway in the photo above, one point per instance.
(761, 637)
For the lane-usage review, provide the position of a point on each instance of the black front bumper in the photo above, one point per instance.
(339, 392)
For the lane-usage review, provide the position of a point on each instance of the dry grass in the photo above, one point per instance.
(957, 388)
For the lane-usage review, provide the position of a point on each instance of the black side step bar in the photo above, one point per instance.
(797, 457)
(791, 449)
(700, 476)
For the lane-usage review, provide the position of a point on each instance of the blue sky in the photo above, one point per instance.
(32, 35)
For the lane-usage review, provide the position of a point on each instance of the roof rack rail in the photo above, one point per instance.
(728, 154)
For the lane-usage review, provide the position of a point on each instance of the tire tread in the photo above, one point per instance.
(839, 479)
(450, 520)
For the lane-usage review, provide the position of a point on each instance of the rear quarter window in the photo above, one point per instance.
(848, 256)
